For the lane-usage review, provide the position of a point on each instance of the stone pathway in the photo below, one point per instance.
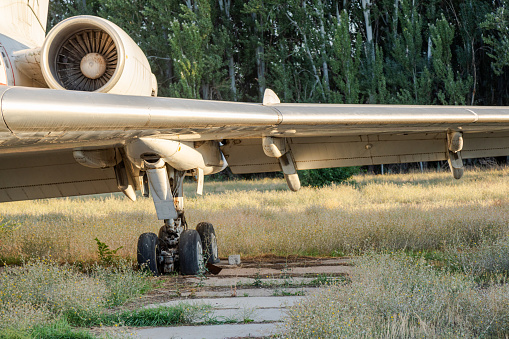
(248, 300)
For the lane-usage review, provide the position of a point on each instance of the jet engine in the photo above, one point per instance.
(87, 53)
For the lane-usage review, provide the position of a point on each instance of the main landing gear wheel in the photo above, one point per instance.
(191, 253)
(148, 251)
(209, 242)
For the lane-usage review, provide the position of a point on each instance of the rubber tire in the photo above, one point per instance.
(208, 238)
(148, 250)
(191, 253)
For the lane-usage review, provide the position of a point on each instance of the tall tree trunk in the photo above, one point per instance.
(429, 50)
(231, 74)
(310, 56)
(224, 5)
(366, 5)
(260, 67)
(325, 66)
(205, 90)
(395, 19)
(169, 68)
(260, 62)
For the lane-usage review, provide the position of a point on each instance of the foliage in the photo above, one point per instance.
(7, 225)
(106, 255)
(405, 51)
(453, 89)
(182, 313)
(346, 62)
(497, 25)
(60, 329)
(487, 261)
(326, 176)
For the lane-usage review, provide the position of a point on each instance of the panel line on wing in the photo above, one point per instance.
(476, 117)
(279, 115)
(4, 90)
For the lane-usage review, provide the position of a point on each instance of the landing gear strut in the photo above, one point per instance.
(175, 248)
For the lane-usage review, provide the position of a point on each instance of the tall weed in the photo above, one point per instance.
(401, 297)
(42, 291)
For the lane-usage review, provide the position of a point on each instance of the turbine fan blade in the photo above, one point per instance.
(72, 51)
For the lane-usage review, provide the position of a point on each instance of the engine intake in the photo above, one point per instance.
(87, 53)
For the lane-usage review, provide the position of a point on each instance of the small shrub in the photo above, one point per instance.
(122, 282)
(326, 176)
(106, 255)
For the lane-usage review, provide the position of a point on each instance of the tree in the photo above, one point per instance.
(346, 62)
(497, 24)
(453, 89)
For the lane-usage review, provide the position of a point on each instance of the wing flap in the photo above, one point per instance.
(53, 174)
(247, 156)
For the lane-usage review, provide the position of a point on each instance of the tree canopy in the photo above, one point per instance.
(369, 51)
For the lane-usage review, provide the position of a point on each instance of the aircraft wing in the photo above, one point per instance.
(41, 128)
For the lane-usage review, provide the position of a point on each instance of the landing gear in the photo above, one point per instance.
(175, 248)
(209, 242)
(191, 253)
(148, 252)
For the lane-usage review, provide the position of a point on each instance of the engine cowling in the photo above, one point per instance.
(88, 53)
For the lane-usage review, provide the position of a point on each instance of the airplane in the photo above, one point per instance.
(80, 116)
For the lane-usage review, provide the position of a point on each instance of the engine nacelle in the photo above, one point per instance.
(182, 156)
(88, 53)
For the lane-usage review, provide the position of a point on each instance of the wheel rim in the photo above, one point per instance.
(199, 256)
(213, 244)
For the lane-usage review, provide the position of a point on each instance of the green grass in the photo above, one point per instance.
(158, 316)
(60, 330)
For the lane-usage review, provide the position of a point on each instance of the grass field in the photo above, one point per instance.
(433, 254)
(418, 212)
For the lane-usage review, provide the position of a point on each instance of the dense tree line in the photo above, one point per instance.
(364, 51)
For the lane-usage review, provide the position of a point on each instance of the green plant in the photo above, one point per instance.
(258, 280)
(59, 329)
(106, 255)
(157, 316)
(42, 292)
(322, 279)
(326, 176)
(7, 225)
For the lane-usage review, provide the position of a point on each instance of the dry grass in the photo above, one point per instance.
(412, 211)
(391, 296)
(400, 297)
(43, 292)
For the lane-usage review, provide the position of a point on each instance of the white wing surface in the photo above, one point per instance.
(41, 128)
